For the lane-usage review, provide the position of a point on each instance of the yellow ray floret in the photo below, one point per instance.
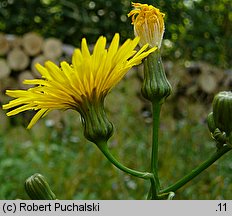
(89, 77)
(148, 24)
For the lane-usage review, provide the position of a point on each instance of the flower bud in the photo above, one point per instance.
(38, 189)
(222, 111)
(156, 86)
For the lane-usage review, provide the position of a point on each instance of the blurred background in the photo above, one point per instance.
(197, 55)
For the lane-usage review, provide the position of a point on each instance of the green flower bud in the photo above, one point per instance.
(38, 189)
(155, 86)
(97, 127)
(210, 122)
(222, 111)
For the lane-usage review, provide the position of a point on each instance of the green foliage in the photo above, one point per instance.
(76, 169)
(69, 20)
(199, 29)
(195, 30)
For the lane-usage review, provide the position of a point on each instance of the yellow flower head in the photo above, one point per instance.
(148, 24)
(87, 80)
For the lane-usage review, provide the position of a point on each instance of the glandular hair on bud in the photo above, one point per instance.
(222, 111)
(37, 188)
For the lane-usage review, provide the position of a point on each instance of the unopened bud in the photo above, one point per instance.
(222, 111)
(156, 86)
(38, 189)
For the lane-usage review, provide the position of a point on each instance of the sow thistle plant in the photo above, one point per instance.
(84, 84)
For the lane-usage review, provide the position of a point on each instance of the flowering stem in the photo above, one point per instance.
(155, 185)
(104, 149)
(156, 89)
(197, 170)
(154, 155)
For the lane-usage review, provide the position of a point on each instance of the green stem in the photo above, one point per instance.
(154, 191)
(154, 154)
(155, 186)
(197, 170)
(145, 175)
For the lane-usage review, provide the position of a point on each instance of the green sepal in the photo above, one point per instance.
(37, 188)
(156, 86)
(97, 127)
(220, 138)
(211, 123)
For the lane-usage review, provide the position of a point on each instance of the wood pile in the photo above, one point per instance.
(194, 87)
(18, 56)
(194, 83)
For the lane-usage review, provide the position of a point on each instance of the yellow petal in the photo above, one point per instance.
(36, 117)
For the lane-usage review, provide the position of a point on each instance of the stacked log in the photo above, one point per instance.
(19, 54)
(4, 45)
(32, 43)
(17, 59)
(194, 87)
(4, 69)
(194, 83)
(199, 80)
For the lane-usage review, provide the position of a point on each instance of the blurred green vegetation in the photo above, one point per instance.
(195, 29)
(76, 169)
